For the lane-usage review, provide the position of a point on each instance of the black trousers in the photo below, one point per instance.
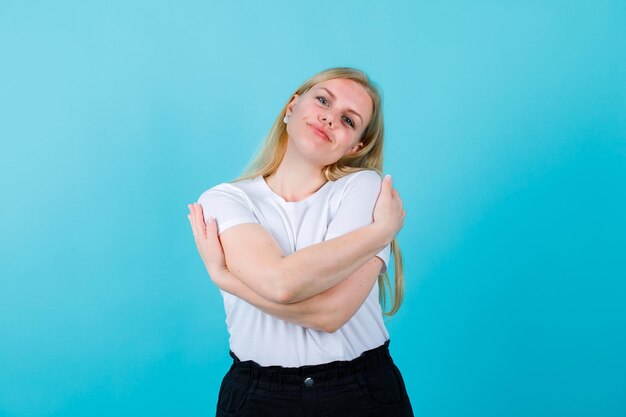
(370, 385)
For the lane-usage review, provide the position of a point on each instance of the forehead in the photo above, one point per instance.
(348, 93)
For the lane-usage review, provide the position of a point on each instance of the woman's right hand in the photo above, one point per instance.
(388, 212)
(207, 241)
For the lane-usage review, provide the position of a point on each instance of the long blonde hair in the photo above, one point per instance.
(370, 156)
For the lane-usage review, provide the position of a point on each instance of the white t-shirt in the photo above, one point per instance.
(337, 208)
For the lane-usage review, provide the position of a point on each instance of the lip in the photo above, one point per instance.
(320, 132)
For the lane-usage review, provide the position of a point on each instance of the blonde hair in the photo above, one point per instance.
(369, 156)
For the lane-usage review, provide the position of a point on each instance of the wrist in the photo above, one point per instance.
(379, 235)
(223, 279)
(216, 273)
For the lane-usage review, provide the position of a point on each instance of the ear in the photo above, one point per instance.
(292, 103)
(355, 148)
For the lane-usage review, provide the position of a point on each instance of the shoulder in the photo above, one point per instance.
(364, 175)
(354, 201)
(241, 187)
(226, 191)
(363, 179)
(217, 190)
(228, 204)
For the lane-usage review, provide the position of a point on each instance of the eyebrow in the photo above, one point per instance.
(333, 97)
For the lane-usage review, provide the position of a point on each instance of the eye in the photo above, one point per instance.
(349, 121)
(322, 100)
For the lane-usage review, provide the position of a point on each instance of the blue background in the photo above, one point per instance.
(506, 136)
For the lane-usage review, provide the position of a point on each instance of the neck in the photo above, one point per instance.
(295, 179)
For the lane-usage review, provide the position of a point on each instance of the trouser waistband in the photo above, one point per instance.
(320, 376)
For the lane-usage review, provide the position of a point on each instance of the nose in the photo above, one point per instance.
(327, 118)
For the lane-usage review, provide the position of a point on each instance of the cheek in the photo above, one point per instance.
(348, 138)
(303, 108)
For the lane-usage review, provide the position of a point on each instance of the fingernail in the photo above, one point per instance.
(388, 177)
(211, 220)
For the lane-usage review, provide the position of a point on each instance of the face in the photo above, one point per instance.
(327, 121)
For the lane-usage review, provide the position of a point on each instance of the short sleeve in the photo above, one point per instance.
(228, 205)
(356, 208)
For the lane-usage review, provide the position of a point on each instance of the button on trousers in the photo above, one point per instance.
(368, 386)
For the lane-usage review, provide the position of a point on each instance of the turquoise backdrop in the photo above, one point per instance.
(506, 136)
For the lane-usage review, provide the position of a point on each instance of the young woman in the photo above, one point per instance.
(304, 235)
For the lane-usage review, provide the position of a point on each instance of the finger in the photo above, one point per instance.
(200, 220)
(190, 225)
(211, 226)
(387, 184)
(190, 216)
(194, 232)
(212, 239)
(197, 222)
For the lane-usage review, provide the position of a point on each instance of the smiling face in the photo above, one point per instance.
(327, 121)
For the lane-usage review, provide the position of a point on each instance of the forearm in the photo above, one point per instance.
(324, 312)
(252, 253)
(317, 268)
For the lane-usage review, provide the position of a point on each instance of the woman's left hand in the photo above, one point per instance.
(207, 242)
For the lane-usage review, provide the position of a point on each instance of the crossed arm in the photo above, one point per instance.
(327, 311)
(321, 286)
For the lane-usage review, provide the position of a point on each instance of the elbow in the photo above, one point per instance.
(282, 295)
(282, 290)
(330, 325)
(329, 328)
(335, 319)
